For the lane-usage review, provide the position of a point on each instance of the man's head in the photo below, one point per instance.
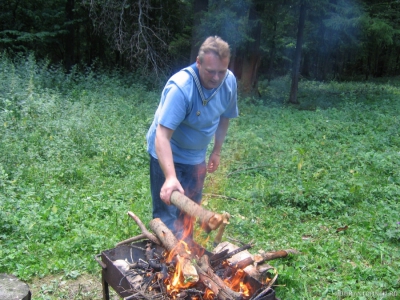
(213, 61)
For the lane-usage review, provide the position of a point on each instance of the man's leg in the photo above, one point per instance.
(192, 179)
(167, 213)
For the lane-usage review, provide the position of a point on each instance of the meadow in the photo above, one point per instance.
(322, 177)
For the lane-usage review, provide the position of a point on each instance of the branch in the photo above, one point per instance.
(143, 228)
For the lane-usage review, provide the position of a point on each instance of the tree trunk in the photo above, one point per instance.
(251, 61)
(273, 52)
(296, 64)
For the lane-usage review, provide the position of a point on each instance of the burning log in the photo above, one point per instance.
(193, 271)
(213, 282)
(172, 245)
(208, 219)
(190, 270)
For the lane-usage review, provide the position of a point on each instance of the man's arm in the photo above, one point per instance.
(220, 134)
(165, 159)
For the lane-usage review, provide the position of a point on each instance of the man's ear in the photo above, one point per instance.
(198, 63)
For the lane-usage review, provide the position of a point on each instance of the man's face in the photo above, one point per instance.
(212, 70)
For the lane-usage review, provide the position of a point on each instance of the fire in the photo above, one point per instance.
(236, 283)
(182, 256)
(177, 282)
(209, 294)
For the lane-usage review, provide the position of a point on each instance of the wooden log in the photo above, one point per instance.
(213, 282)
(208, 219)
(265, 256)
(175, 249)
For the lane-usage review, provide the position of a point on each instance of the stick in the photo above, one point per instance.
(260, 258)
(175, 248)
(132, 239)
(145, 233)
(225, 221)
(208, 219)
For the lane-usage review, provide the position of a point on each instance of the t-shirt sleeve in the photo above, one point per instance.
(174, 107)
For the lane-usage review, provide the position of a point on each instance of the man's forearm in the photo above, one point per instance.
(164, 151)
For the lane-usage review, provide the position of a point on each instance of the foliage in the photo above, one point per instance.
(74, 162)
(342, 40)
(61, 155)
(226, 19)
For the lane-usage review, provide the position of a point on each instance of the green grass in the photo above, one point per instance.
(73, 162)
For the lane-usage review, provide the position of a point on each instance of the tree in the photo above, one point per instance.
(27, 25)
(382, 38)
(252, 56)
(70, 36)
(139, 30)
(296, 63)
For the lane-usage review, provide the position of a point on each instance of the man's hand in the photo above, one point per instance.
(164, 153)
(168, 187)
(213, 162)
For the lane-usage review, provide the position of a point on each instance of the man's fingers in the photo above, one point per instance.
(166, 197)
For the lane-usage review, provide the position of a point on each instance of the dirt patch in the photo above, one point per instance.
(85, 287)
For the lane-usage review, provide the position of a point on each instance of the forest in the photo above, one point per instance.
(312, 163)
(318, 40)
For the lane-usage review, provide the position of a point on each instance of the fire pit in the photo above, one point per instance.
(156, 265)
(133, 274)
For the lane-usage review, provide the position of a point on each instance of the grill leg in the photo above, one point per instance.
(106, 290)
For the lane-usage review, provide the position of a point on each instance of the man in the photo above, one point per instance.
(190, 113)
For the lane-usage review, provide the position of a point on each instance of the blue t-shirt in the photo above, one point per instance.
(181, 109)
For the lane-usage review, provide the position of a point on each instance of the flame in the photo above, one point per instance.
(177, 281)
(236, 283)
(209, 294)
(185, 226)
(244, 289)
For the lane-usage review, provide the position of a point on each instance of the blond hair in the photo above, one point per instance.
(216, 45)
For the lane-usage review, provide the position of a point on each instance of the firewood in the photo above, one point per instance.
(225, 221)
(213, 282)
(143, 228)
(208, 219)
(172, 245)
(132, 239)
(265, 256)
(215, 259)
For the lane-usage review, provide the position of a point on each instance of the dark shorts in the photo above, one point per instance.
(191, 178)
